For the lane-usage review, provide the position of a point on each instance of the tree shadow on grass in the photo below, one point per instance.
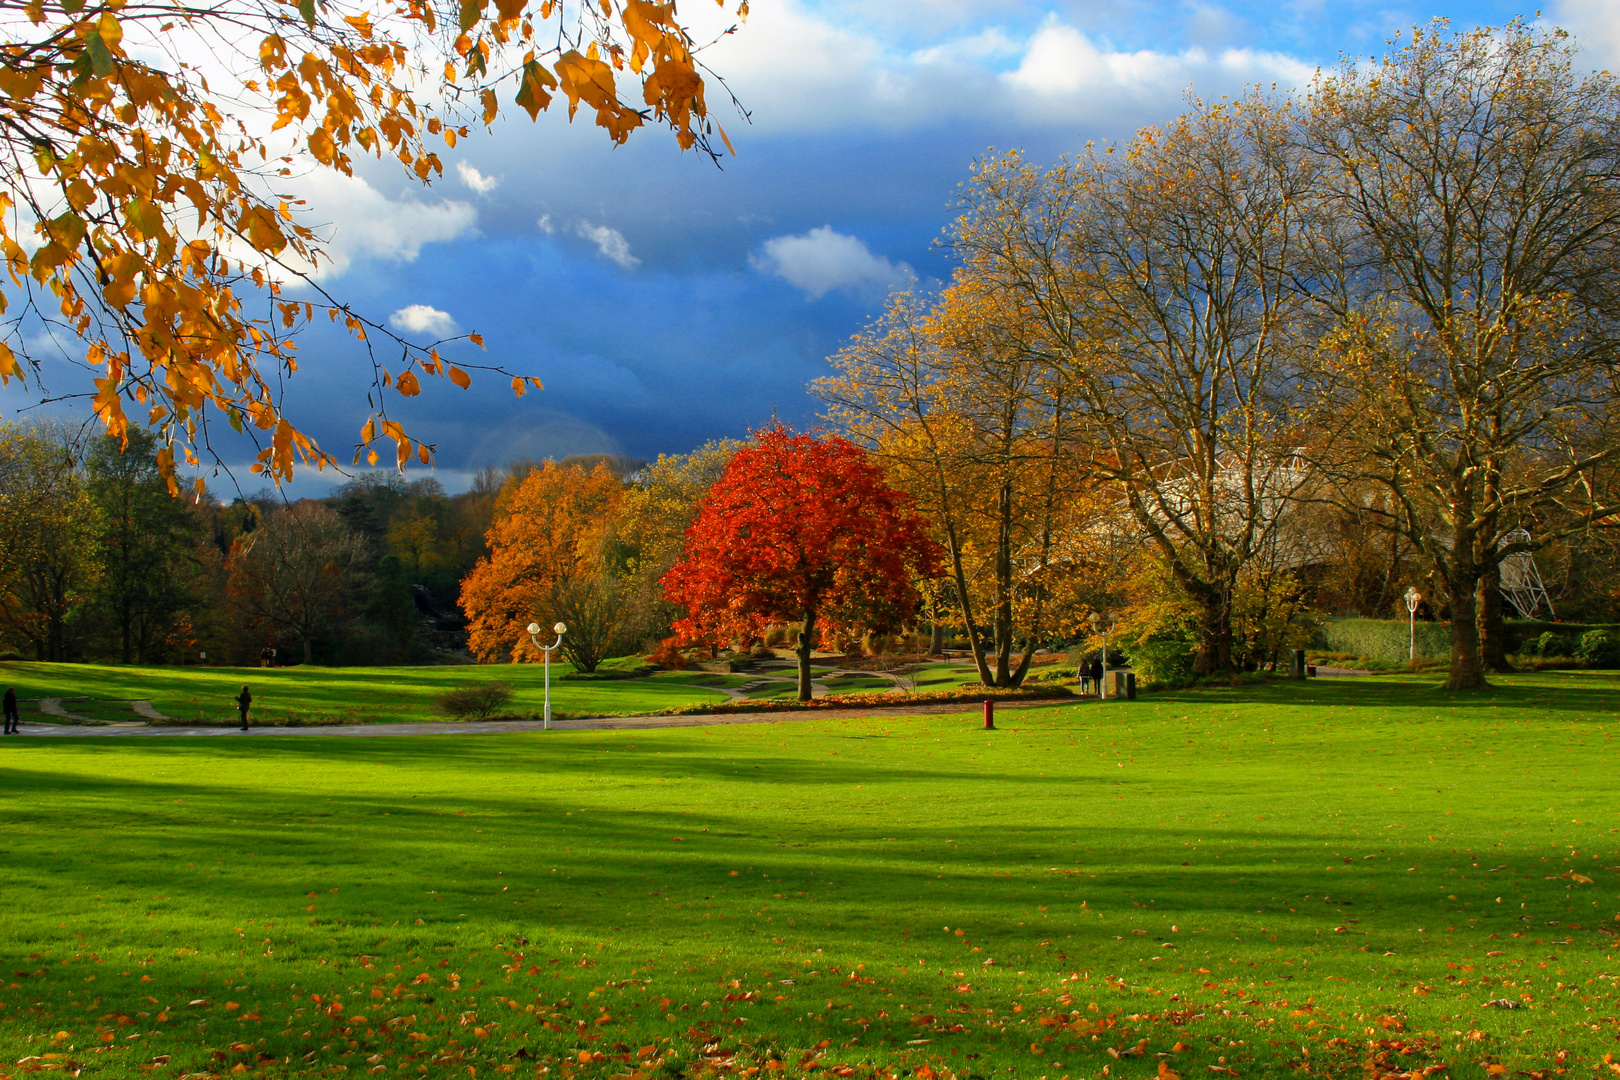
(1585, 693)
(398, 859)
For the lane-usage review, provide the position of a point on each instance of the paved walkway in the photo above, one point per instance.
(505, 727)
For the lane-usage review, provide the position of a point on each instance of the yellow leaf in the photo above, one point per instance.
(321, 145)
(460, 378)
(9, 368)
(476, 339)
(107, 26)
(407, 385)
(727, 141)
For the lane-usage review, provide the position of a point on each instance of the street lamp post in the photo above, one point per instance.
(1413, 599)
(1096, 626)
(546, 651)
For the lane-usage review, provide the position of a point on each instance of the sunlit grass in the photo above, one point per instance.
(350, 695)
(1317, 875)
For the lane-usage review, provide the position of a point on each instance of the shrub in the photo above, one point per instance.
(668, 655)
(1164, 659)
(478, 701)
(1599, 649)
(1553, 644)
(1383, 639)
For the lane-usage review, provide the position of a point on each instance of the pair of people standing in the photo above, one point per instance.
(1091, 676)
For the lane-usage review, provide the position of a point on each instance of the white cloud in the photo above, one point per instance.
(610, 243)
(822, 260)
(422, 319)
(476, 180)
(1596, 26)
(366, 224)
(1063, 70)
(798, 69)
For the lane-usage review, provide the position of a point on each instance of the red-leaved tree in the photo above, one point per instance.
(800, 529)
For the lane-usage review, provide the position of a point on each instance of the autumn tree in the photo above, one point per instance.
(50, 562)
(1161, 282)
(647, 534)
(1473, 183)
(806, 530)
(298, 574)
(147, 545)
(546, 564)
(145, 199)
(979, 430)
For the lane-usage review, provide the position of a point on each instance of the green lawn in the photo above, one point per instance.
(1333, 879)
(347, 695)
(945, 676)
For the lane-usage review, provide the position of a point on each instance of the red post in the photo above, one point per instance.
(989, 714)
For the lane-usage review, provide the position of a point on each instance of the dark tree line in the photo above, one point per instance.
(98, 562)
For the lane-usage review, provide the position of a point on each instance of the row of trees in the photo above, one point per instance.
(571, 541)
(1388, 305)
(712, 549)
(99, 562)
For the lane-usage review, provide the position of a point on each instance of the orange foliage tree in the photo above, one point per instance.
(806, 530)
(547, 538)
(139, 203)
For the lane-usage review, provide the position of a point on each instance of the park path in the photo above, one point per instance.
(510, 727)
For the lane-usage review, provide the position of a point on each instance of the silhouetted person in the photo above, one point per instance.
(1097, 674)
(11, 710)
(243, 700)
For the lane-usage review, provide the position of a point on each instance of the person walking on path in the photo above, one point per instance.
(1097, 675)
(11, 711)
(243, 700)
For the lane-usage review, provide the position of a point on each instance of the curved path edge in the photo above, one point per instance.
(503, 727)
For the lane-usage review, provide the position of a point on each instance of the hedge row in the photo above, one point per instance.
(1386, 639)
(887, 698)
(1383, 639)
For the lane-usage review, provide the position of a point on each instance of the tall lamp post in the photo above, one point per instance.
(1097, 626)
(546, 651)
(1413, 599)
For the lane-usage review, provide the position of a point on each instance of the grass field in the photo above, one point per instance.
(344, 695)
(1330, 879)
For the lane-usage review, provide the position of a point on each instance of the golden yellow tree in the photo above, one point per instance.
(545, 544)
(979, 430)
(1161, 282)
(1470, 377)
(139, 204)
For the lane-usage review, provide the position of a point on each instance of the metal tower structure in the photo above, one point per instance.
(1521, 579)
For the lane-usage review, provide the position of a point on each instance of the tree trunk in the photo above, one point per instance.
(959, 575)
(1214, 634)
(806, 636)
(306, 650)
(1467, 669)
(936, 639)
(1490, 621)
(1004, 587)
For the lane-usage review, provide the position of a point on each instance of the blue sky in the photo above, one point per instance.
(665, 302)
